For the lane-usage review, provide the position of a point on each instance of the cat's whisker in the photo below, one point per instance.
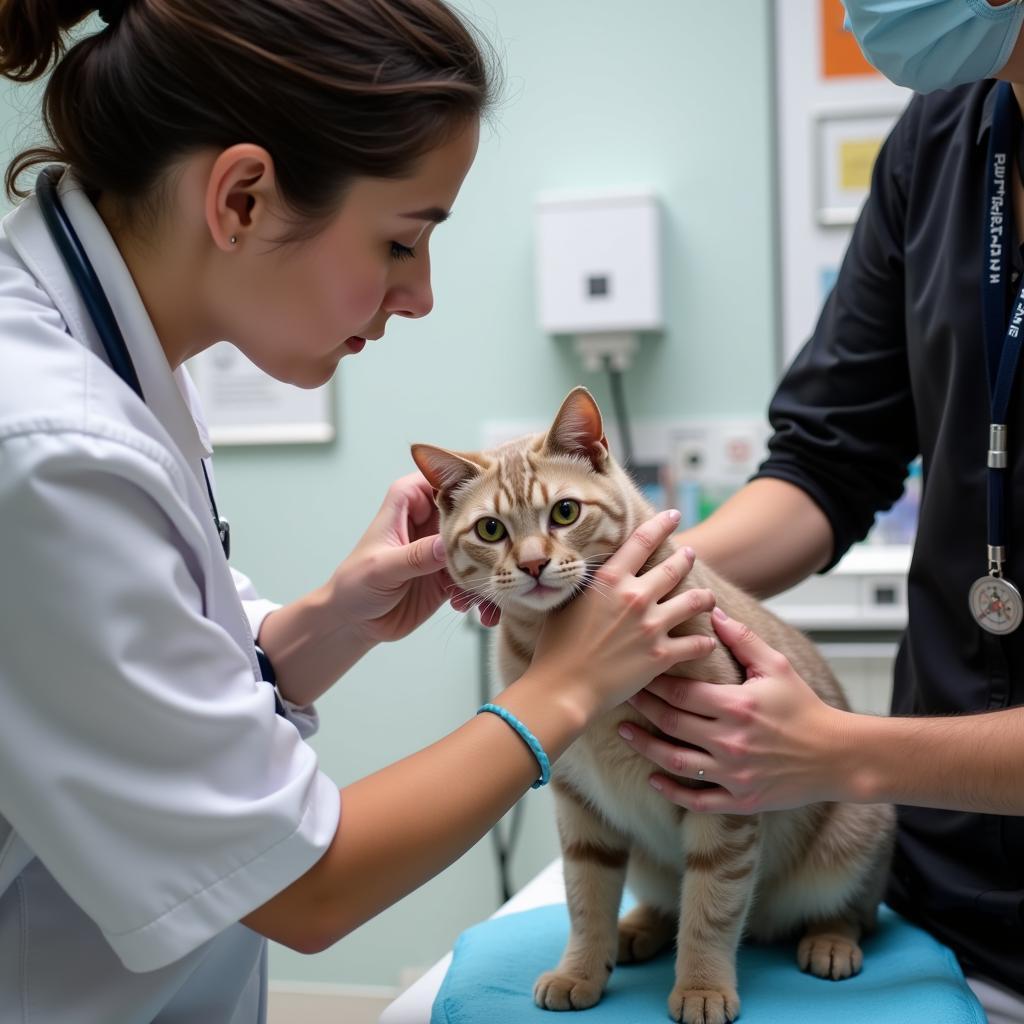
(586, 586)
(442, 632)
(589, 583)
(489, 580)
(449, 632)
(481, 589)
(445, 619)
(475, 582)
(594, 563)
(487, 593)
(450, 620)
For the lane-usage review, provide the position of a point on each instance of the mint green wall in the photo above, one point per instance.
(672, 94)
(601, 93)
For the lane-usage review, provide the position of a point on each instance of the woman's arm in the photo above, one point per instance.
(404, 824)
(971, 762)
(766, 538)
(772, 743)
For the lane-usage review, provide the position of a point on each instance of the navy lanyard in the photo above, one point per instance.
(1002, 342)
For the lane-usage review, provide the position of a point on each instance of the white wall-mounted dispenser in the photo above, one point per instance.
(599, 271)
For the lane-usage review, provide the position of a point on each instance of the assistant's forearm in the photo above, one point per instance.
(766, 538)
(310, 646)
(961, 762)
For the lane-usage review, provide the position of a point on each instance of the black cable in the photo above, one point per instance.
(504, 846)
(621, 417)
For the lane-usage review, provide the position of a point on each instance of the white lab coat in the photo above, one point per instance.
(149, 795)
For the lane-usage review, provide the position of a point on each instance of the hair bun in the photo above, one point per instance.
(111, 11)
(32, 34)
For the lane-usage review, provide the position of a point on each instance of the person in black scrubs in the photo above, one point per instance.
(914, 354)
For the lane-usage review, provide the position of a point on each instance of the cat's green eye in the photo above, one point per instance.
(491, 530)
(565, 513)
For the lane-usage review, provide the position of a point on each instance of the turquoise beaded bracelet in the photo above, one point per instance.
(528, 738)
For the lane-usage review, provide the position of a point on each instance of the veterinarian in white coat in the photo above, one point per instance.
(158, 819)
(107, 530)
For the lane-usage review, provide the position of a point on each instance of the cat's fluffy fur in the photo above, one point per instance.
(702, 880)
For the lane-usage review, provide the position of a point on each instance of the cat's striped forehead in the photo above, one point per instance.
(515, 478)
(522, 476)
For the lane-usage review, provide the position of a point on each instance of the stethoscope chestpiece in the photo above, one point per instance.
(224, 532)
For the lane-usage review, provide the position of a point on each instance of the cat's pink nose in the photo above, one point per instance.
(534, 566)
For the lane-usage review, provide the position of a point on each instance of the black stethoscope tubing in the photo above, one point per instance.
(70, 247)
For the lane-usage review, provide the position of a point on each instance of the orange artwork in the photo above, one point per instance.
(840, 54)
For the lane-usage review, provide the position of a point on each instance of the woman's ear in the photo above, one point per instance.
(579, 430)
(444, 470)
(240, 196)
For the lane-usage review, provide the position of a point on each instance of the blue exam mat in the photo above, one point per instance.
(908, 978)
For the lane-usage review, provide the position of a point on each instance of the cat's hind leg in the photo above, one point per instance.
(829, 949)
(833, 889)
(594, 857)
(651, 925)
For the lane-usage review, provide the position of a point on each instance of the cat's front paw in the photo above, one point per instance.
(829, 956)
(703, 1005)
(557, 990)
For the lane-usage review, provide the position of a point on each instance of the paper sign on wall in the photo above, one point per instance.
(243, 405)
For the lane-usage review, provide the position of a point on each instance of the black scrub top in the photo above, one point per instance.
(896, 368)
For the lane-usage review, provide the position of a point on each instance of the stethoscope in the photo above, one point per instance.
(83, 275)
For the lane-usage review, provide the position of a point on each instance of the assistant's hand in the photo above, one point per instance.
(395, 578)
(605, 645)
(769, 744)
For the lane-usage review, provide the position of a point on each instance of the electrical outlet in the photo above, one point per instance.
(691, 453)
(741, 447)
(710, 460)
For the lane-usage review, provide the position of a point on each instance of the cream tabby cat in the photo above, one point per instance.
(526, 524)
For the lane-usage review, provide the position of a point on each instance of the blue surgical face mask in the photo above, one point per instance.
(935, 44)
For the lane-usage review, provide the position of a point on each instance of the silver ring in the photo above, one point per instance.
(700, 773)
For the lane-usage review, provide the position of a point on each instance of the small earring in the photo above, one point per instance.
(234, 239)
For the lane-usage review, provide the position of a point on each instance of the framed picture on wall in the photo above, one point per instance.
(846, 144)
(245, 406)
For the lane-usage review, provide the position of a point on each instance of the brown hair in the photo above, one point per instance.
(333, 89)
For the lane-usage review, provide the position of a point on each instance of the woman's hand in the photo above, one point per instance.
(607, 644)
(769, 744)
(395, 578)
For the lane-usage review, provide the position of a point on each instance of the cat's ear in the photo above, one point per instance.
(444, 470)
(579, 430)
